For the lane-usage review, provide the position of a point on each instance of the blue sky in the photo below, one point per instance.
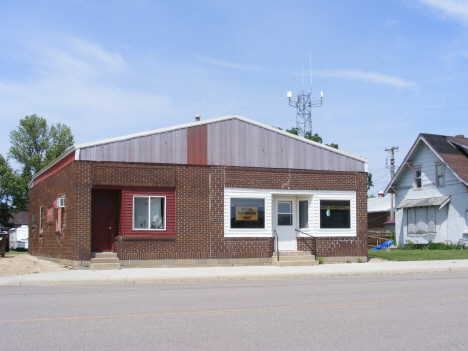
(389, 69)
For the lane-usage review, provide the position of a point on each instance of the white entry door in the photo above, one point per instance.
(285, 225)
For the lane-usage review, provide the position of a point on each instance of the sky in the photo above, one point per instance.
(389, 69)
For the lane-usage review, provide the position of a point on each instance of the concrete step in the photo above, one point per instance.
(293, 258)
(104, 266)
(103, 254)
(104, 261)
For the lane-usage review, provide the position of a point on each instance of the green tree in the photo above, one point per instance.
(12, 197)
(369, 181)
(308, 135)
(34, 145)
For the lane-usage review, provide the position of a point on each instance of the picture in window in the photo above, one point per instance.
(148, 213)
(335, 214)
(247, 213)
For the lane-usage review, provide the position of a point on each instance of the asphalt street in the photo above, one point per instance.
(379, 312)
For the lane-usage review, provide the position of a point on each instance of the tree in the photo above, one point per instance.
(12, 198)
(35, 145)
(369, 181)
(308, 135)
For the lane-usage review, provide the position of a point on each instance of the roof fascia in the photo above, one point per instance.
(50, 165)
(219, 119)
(451, 141)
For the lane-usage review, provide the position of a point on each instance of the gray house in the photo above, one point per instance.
(431, 188)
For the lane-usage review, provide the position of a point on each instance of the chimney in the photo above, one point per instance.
(459, 136)
(197, 118)
(381, 194)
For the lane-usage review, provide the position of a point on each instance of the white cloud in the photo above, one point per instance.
(372, 77)
(457, 9)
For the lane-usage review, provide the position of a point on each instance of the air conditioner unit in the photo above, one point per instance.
(60, 202)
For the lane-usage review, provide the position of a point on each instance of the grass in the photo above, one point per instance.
(420, 255)
(16, 252)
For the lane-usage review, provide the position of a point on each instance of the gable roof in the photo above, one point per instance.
(452, 151)
(225, 141)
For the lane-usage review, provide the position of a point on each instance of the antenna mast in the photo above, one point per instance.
(303, 105)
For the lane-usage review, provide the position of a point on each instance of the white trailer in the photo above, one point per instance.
(19, 238)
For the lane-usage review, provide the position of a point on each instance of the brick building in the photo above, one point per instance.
(223, 190)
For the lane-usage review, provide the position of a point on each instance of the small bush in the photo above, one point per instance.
(320, 260)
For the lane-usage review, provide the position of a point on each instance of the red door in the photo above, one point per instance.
(103, 221)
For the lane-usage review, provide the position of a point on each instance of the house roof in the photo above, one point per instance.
(452, 151)
(425, 202)
(227, 141)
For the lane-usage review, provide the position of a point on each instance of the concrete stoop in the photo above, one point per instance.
(297, 258)
(104, 261)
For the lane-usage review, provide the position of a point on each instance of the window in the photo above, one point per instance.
(33, 219)
(334, 214)
(440, 175)
(149, 213)
(421, 220)
(417, 178)
(304, 214)
(285, 213)
(247, 213)
(466, 222)
(41, 219)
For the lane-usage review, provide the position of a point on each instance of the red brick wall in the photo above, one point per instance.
(376, 220)
(199, 209)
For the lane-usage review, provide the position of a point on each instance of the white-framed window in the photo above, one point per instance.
(149, 212)
(466, 222)
(247, 213)
(421, 220)
(417, 177)
(440, 174)
(335, 214)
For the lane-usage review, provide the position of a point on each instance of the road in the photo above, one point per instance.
(386, 312)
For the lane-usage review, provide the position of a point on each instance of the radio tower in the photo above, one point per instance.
(303, 105)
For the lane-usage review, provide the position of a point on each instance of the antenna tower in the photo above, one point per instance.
(303, 105)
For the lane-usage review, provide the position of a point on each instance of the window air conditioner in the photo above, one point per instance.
(60, 202)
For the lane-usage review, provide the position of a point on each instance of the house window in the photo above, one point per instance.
(33, 219)
(421, 220)
(440, 175)
(334, 214)
(417, 178)
(466, 222)
(149, 213)
(303, 214)
(247, 213)
(41, 219)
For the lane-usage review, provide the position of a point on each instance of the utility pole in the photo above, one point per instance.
(391, 164)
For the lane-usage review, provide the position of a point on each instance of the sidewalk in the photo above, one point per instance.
(147, 275)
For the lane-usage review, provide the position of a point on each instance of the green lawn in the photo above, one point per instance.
(420, 255)
(16, 252)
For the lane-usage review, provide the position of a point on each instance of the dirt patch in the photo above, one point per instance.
(27, 264)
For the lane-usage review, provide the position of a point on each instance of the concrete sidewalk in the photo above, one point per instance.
(147, 275)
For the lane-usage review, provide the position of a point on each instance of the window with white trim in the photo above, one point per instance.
(421, 220)
(417, 178)
(335, 214)
(247, 213)
(466, 222)
(440, 174)
(41, 219)
(149, 212)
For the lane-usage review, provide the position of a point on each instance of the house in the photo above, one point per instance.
(431, 188)
(223, 189)
(378, 212)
